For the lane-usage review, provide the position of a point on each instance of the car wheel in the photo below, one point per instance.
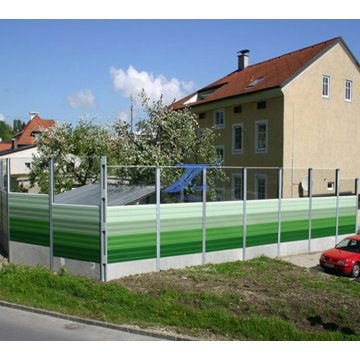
(355, 270)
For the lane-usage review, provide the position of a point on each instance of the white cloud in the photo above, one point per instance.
(131, 82)
(84, 98)
(122, 115)
(2, 117)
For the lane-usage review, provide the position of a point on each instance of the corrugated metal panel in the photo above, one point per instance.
(117, 195)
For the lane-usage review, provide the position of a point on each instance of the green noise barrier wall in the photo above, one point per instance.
(29, 218)
(132, 229)
(76, 232)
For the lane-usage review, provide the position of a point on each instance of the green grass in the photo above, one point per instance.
(226, 314)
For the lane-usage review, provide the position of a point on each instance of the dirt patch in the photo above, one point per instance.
(311, 300)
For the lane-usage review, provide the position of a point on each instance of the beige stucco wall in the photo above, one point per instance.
(323, 132)
(273, 113)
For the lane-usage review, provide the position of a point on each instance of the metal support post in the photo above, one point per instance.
(310, 190)
(356, 204)
(103, 223)
(244, 180)
(1, 175)
(204, 217)
(7, 205)
(279, 209)
(157, 219)
(337, 204)
(51, 201)
(8, 185)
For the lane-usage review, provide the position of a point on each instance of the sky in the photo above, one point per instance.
(68, 68)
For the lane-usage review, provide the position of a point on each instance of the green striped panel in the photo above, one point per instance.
(347, 209)
(29, 218)
(76, 232)
(180, 229)
(131, 233)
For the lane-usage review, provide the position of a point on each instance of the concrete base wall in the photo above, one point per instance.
(33, 255)
(77, 267)
(28, 254)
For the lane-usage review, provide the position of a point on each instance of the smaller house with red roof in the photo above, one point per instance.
(297, 111)
(23, 145)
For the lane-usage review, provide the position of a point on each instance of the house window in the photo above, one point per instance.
(326, 86)
(219, 118)
(261, 105)
(236, 187)
(220, 194)
(330, 185)
(260, 186)
(221, 153)
(348, 90)
(261, 136)
(237, 138)
(237, 109)
(202, 115)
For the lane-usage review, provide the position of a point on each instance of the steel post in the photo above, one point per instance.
(51, 201)
(158, 219)
(337, 204)
(356, 202)
(103, 220)
(244, 181)
(279, 209)
(310, 190)
(204, 217)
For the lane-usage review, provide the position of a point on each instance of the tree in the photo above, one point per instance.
(6, 131)
(76, 149)
(164, 137)
(167, 137)
(17, 126)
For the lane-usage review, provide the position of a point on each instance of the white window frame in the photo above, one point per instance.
(235, 126)
(326, 96)
(256, 182)
(257, 149)
(221, 147)
(347, 81)
(233, 177)
(219, 126)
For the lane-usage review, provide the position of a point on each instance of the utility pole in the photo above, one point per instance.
(132, 114)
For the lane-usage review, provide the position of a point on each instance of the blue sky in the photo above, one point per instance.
(68, 68)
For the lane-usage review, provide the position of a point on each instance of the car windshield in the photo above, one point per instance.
(349, 245)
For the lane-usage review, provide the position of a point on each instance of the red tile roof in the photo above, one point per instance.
(34, 125)
(275, 72)
(5, 145)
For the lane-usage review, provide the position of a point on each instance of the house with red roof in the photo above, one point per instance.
(297, 111)
(23, 145)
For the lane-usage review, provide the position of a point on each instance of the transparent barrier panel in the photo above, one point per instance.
(224, 209)
(323, 182)
(262, 184)
(77, 180)
(131, 185)
(22, 180)
(295, 183)
(131, 213)
(181, 225)
(347, 214)
(346, 186)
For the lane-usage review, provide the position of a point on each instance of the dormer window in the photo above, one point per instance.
(255, 82)
(204, 93)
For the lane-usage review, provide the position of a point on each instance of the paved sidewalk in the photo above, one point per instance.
(308, 260)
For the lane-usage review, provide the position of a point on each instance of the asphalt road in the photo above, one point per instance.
(20, 325)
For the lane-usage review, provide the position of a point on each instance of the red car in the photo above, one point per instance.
(345, 257)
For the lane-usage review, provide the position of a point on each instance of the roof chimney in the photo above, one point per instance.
(243, 59)
(33, 114)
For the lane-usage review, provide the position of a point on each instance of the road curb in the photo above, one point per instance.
(126, 328)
